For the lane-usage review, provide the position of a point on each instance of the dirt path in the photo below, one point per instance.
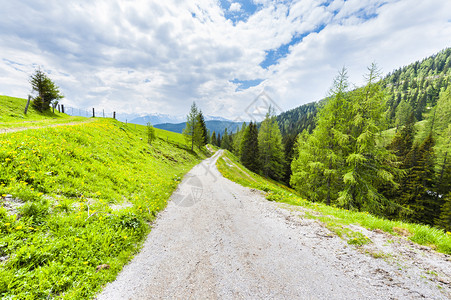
(7, 130)
(219, 240)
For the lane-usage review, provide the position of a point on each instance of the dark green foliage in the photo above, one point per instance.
(214, 142)
(445, 217)
(203, 129)
(418, 194)
(418, 84)
(226, 141)
(48, 92)
(271, 152)
(340, 161)
(249, 148)
(295, 121)
(195, 130)
(289, 142)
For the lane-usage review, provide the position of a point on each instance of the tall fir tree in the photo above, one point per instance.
(445, 216)
(213, 139)
(316, 169)
(271, 152)
(203, 133)
(193, 131)
(237, 139)
(418, 195)
(367, 166)
(249, 147)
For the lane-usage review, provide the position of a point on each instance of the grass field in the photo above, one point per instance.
(334, 218)
(75, 199)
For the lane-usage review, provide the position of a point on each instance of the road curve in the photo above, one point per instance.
(219, 240)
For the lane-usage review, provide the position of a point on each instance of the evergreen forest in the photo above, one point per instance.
(381, 148)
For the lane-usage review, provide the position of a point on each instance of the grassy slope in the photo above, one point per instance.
(87, 194)
(12, 114)
(334, 218)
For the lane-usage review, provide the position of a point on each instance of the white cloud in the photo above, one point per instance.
(235, 6)
(148, 56)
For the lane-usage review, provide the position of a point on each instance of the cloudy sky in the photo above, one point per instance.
(146, 56)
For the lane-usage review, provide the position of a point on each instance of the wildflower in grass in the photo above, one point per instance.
(112, 245)
(31, 228)
(19, 227)
(448, 233)
(77, 239)
(85, 263)
(7, 224)
(125, 237)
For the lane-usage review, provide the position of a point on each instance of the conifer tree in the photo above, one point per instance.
(203, 134)
(367, 166)
(316, 170)
(418, 195)
(193, 131)
(445, 216)
(271, 152)
(213, 139)
(46, 89)
(237, 139)
(249, 148)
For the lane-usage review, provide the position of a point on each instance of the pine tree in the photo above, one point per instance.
(213, 139)
(442, 131)
(48, 92)
(445, 216)
(316, 170)
(237, 139)
(271, 152)
(202, 138)
(225, 141)
(249, 147)
(193, 131)
(419, 196)
(367, 166)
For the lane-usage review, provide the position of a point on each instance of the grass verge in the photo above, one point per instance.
(76, 203)
(335, 219)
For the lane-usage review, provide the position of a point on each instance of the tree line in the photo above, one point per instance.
(259, 147)
(343, 162)
(343, 159)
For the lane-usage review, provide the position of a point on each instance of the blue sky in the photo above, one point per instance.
(144, 56)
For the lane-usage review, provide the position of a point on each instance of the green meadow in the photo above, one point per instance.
(77, 202)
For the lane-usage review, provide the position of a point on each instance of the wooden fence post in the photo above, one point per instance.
(26, 106)
(93, 113)
(114, 115)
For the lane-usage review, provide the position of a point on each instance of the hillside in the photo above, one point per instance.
(79, 199)
(417, 84)
(212, 125)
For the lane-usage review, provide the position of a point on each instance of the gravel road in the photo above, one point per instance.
(219, 240)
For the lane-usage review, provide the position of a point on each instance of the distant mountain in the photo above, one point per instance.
(157, 118)
(217, 126)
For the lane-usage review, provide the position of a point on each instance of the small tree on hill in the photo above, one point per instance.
(150, 133)
(195, 130)
(48, 92)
